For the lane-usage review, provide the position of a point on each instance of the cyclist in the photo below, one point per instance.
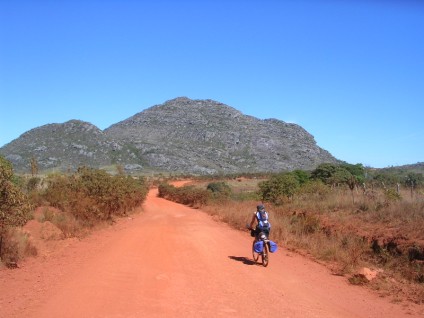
(260, 216)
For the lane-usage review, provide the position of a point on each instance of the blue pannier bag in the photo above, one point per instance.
(258, 246)
(272, 246)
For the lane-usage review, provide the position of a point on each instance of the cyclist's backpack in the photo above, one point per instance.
(258, 246)
(263, 222)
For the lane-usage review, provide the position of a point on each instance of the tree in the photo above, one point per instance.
(385, 179)
(301, 176)
(345, 173)
(340, 176)
(324, 172)
(278, 187)
(34, 166)
(358, 171)
(413, 180)
(356, 177)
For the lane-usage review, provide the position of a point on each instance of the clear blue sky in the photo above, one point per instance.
(350, 72)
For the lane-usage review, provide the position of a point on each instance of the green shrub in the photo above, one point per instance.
(279, 187)
(92, 195)
(14, 206)
(33, 184)
(6, 169)
(58, 191)
(220, 190)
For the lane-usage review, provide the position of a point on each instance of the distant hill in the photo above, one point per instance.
(405, 169)
(180, 136)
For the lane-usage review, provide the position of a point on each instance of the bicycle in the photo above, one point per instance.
(261, 236)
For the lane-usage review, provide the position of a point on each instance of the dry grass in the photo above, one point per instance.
(15, 246)
(65, 221)
(235, 213)
(343, 233)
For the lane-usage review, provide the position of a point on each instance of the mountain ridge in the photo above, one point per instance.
(181, 135)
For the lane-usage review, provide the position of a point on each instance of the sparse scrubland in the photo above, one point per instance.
(74, 203)
(341, 215)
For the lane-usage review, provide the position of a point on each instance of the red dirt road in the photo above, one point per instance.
(174, 261)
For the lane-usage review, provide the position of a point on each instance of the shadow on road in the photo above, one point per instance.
(243, 259)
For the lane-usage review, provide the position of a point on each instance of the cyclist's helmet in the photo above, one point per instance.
(260, 207)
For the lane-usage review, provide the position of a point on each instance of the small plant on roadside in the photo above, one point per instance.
(358, 279)
(69, 225)
(16, 245)
(392, 196)
(220, 190)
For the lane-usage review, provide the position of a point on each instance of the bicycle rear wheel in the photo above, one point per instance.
(265, 255)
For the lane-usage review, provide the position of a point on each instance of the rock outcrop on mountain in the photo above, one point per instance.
(180, 136)
(204, 136)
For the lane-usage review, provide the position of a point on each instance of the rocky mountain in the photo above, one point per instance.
(181, 135)
(63, 146)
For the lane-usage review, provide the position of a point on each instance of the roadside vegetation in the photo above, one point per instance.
(74, 203)
(15, 211)
(344, 216)
(188, 195)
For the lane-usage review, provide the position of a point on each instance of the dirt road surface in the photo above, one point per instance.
(175, 261)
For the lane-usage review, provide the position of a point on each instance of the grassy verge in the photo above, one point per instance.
(377, 230)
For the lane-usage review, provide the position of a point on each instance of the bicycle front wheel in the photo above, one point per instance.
(265, 255)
